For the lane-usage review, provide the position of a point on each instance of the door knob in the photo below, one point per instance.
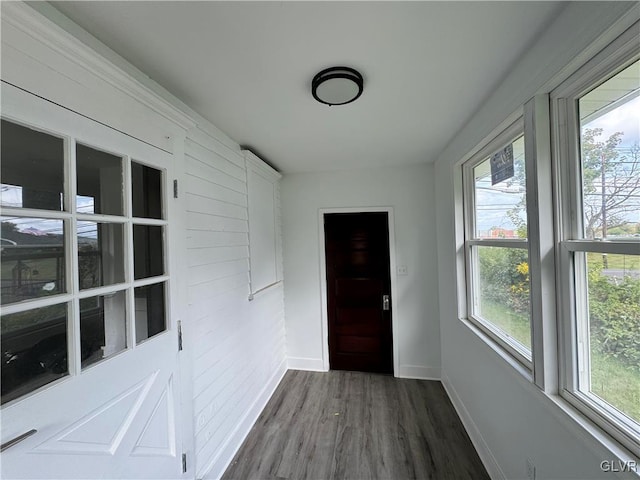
(385, 302)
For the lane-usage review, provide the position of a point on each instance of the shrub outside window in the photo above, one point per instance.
(496, 245)
(600, 240)
(553, 280)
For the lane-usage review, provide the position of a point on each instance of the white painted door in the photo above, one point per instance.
(89, 337)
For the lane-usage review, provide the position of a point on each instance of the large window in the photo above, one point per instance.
(496, 246)
(600, 238)
(550, 243)
(83, 272)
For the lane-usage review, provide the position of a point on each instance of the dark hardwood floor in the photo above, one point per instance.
(350, 425)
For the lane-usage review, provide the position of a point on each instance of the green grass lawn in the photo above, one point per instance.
(611, 379)
(616, 383)
(515, 324)
(43, 269)
(20, 320)
(621, 262)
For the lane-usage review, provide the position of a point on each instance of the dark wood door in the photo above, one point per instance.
(358, 281)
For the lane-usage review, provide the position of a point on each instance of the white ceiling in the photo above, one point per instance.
(247, 67)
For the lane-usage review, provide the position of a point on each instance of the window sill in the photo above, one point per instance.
(569, 416)
(577, 422)
(252, 295)
(497, 348)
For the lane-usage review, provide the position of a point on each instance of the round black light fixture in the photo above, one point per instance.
(337, 85)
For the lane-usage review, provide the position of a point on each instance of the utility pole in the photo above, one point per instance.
(603, 178)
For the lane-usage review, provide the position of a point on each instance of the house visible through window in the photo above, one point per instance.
(496, 244)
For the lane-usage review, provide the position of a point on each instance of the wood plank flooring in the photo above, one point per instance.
(351, 425)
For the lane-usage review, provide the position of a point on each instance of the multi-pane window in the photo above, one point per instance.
(83, 272)
(555, 281)
(496, 245)
(601, 248)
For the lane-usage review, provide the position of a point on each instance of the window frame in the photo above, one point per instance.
(552, 242)
(571, 296)
(496, 336)
(103, 140)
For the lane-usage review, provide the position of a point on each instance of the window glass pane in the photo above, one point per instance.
(32, 253)
(613, 286)
(147, 251)
(100, 254)
(610, 157)
(500, 194)
(103, 327)
(34, 349)
(146, 191)
(32, 168)
(100, 184)
(502, 291)
(150, 311)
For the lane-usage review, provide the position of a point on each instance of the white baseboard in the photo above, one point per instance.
(310, 364)
(217, 466)
(405, 371)
(418, 372)
(484, 452)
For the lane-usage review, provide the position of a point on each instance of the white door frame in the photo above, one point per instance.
(392, 271)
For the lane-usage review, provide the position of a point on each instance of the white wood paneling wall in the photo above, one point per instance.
(238, 346)
(234, 350)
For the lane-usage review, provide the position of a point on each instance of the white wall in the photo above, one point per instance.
(508, 418)
(234, 350)
(410, 191)
(236, 346)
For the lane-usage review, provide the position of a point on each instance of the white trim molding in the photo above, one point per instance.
(218, 464)
(418, 372)
(484, 452)
(308, 364)
(262, 274)
(323, 281)
(260, 165)
(35, 24)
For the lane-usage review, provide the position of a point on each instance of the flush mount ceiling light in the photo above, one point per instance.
(337, 85)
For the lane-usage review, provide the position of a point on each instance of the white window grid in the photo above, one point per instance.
(573, 330)
(471, 243)
(70, 218)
